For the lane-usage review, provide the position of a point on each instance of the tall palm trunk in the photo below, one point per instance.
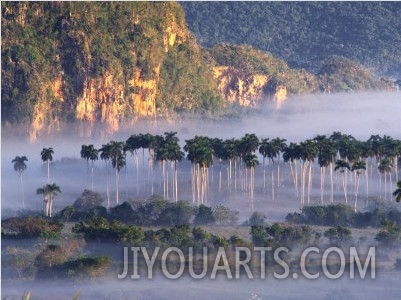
(345, 187)
(322, 177)
(193, 182)
(367, 180)
(176, 181)
(92, 177)
(48, 171)
(385, 185)
(273, 193)
(136, 159)
(220, 175)
(117, 184)
(303, 181)
(50, 206)
(309, 182)
(22, 190)
(331, 183)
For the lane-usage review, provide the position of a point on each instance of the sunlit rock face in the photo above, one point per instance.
(245, 89)
(70, 89)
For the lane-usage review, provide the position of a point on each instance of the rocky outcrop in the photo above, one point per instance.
(118, 92)
(246, 89)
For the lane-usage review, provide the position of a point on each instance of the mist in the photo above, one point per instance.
(358, 114)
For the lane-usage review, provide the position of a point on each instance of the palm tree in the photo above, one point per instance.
(245, 146)
(263, 150)
(200, 153)
(173, 153)
(133, 143)
(342, 166)
(308, 152)
(230, 147)
(397, 192)
(357, 168)
(20, 167)
(385, 166)
(326, 156)
(89, 152)
(49, 191)
(105, 154)
(221, 154)
(251, 161)
(292, 154)
(117, 161)
(47, 156)
(279, 145)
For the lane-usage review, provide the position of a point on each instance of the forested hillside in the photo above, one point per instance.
(99, 62)
(111, 63)
(304, 33)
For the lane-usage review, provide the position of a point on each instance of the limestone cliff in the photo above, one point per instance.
(246, 89)
(98, 63)
(103, 64)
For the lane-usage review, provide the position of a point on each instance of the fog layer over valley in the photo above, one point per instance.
(299, 118)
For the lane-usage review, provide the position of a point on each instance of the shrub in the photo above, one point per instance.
(20, 260)
(88, 200)
(339, 235)
(204, 215)
(224, 216)
(98, 228)
(390, 235)
(256, 219)
(31, 228)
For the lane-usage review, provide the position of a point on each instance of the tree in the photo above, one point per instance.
(357, 168)
(47, 156)
(105, 154)
(251, 161)
(263, 150)
(89, 152)
(385, 166)
(308, 151)
(117, 161)
(48, 191)
(200, 153)
(342, 166)
(87, 201)
(170, 150)
(292, 154)
(20, 167)
(326, 156)
(397, 192)
(132, 144)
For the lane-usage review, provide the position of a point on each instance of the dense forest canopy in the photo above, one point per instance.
(304, 33)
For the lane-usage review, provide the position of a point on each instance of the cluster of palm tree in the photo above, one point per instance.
(341, 154)
(19, 167)
(161, 148)
(48, 190)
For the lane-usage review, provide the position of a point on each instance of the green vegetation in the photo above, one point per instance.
(390, 235)
(344, 215)
(339, 235)
(140, 56)
(153, 212)
(249, 61)
(278, 235)
(82, 43)
(31, 227)
(304, 34)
